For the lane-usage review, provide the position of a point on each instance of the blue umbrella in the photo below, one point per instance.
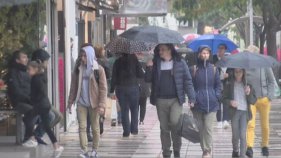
(213, 41)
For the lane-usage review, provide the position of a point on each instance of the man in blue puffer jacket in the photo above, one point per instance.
(208, 89)
(171, 80)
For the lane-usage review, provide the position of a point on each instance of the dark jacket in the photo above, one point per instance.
(208, 87)
(105, 64)
(144, 86)
(39, 95)
(182, 77)
(126, 71)
(228, 96)
(18, 82)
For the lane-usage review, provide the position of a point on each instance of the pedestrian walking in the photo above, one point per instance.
(54, 115)
(125, 74)
(262, 80)
(223, 113)
(90, 95)
(40, 101)
(144, 94)
(239, 96)
(208, 89)
(171, 80)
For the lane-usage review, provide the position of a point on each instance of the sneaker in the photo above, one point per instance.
(235, 154)
(30, 143)
(206, 154)
(141, 123)
(177, 154)
(226, 124)
(84, 154)
(219, 125)
(94, 154)
(250, 152)
(58, 152)
(265, 151)
(113, 122)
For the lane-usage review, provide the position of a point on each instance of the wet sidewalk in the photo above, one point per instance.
(147, 144)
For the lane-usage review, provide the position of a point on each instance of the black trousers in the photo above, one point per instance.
(142, 103)
(29, 123)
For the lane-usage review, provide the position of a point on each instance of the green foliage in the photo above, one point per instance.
(19, 29)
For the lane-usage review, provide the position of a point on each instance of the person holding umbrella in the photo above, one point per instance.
(239, 96)
(171, 80)
(208, 89)
(262, 80)
(124, 82)
(260, 76)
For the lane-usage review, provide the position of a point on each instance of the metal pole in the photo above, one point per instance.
(250, 14)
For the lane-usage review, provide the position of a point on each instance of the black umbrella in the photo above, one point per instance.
(247, 60)
(153, 34)
(123, 45)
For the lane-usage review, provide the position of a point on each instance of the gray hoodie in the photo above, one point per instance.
(262, 81)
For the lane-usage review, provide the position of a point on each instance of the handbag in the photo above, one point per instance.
(188, 128)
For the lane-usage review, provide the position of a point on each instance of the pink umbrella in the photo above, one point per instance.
(190, 36)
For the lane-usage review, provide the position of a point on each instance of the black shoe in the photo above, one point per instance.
(90, 138)
(177, 154)
(40, 141)
(250, 152)
(235, 154)
(265, 151)
(113, 122)
(134, 133)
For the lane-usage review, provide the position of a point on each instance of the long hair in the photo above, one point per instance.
(232, 76)
(127, 64)
(175, 55)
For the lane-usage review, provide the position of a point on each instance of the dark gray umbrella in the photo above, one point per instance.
(247, 60)
(123, 45)
(153, 34)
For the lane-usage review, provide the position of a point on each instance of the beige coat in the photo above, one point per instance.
(98, 92)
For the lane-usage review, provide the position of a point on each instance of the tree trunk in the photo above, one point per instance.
(271, 42)
(200, 27)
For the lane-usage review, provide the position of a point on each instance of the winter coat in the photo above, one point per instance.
(262, 81)
(182, 77)
(228, 96)
(207, 86)
(98, 91)
(105, 64)
(39, 93)
(18, 91)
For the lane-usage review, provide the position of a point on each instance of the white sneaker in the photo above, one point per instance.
(58, 152)
(219, 125)
(94, 154)
(226, 124)
(84, 154)
(30, 143)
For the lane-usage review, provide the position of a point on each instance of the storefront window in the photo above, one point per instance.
(22, 27)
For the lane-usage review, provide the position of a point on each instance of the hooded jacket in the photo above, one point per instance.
(207, 86)
(182, 78)
(97, 90)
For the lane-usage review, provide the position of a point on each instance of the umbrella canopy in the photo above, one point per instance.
(247, 60)
(189, 37)
(213, 41)
(123, 45)
(153, 34)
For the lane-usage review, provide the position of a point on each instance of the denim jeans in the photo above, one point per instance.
(128, 98)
